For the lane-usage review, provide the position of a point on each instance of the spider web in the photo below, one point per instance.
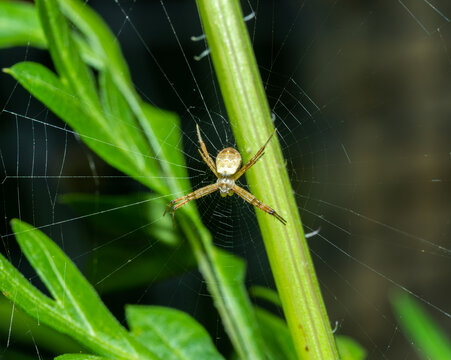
(360, 96)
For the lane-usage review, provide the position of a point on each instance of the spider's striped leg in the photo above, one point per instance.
(196, 194)
(204, 153)
(251, 199)
(255, 158)
(213, 169)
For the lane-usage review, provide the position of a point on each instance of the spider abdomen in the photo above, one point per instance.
(228, 162)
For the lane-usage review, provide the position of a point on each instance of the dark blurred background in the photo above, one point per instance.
(361, 93)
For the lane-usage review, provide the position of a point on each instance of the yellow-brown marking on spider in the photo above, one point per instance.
(228, 162)
(227, 170)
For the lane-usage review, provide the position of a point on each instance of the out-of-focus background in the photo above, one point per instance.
(361, 93)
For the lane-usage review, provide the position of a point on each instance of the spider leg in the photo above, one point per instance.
(204, 153)
(251, 199)
(196, 194)
(252, 161)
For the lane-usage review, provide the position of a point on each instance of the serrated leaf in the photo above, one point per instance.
(166, 330)
(430, 341)
(19, 25)
(276, 337)
(349, 349)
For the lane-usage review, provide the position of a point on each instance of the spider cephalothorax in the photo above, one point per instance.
(227, 170)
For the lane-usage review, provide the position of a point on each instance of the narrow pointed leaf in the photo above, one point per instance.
(98, 35)
(74, 71)
(173, 334)
(276, 336)
(65, 54)
(15, 287)
(77, 309)
(161, 128)
(430, 341)
(67, 285)
(266, 294)
(235, 305)
(19, 25)
(120, 116)
(166, 127)
(230, 295)
(349, 349)
(92, 128)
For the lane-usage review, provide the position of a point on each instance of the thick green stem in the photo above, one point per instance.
(250, 117)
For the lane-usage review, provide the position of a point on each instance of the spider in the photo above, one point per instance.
(227, 170)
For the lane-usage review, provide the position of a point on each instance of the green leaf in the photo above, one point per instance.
(113, 269)
(23, 326)
(79, 357)
(15, 287)
(120, 117)
(279, 344)
(235, 307)
(139, 214)
(173, 334)
(265, 294)
(19, 25)
(430, 341)
(349, 349)
(76, 74)
(163, 136)
(65, 54)
(152, 261)
(76, 309)
(10, 354)
(276, 336)
(161, 128)
(98, 35)
(166, 128)
(93, 128)
(250, 119)
(229, 293)
(74, 296)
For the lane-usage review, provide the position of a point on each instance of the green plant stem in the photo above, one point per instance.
(250, 117)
